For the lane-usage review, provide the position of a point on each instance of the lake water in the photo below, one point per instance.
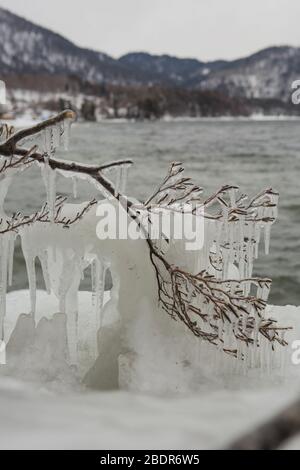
(252, 154)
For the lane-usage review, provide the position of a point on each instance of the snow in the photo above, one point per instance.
(126, 421)
(42, 412)
(19, 302)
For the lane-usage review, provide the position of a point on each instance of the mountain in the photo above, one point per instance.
(29, 49)
(169, 69)
(267, 74)
(32, 57)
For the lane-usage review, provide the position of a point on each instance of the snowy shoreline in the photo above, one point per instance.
(27, 121)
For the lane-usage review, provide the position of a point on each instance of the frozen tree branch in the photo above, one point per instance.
(174, 189)
(207, 302)
(10, 149)
(18, 221)
(223, 311)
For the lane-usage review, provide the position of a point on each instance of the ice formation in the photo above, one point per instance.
(63, 237)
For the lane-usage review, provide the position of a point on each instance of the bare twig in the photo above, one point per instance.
(202, 302)
(18, 221)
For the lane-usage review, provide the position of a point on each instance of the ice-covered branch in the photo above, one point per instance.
(8, 148)
(227, 312)
(18, 221)
(220, 312)
(53, 131)
(174, 189)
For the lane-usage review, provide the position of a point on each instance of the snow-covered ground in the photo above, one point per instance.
(54, 411)
(38, 419)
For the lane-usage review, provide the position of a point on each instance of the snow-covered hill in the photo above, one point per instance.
(28, 49)
(266, 74)
(170, 69)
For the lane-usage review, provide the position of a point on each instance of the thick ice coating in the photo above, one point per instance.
(63, 237)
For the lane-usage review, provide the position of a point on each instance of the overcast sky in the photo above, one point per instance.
(205, 29)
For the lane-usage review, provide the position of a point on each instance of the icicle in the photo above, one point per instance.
(283, 353)
(225, 219)
(239, 353)
(101, 274)
(82, 268)
(265, 292)
(123, 179)
(52, 194)
(259, 292)
(31, 276)
(232, 193)
(4, 187)
(231, 243)
(249, 252)
(55, 137)
(250, 259)
(3, 281)
(47, 141)
(74, 182)
(242, 266)
(94, 282)
(51, 140)
(64, 273)
(255, 332)
(49, 177)
(43, 257)
(220, 334)
(226, 255)
(257, 239)
(218, 236)
(242, 235)
(66, 277)
(275, 198)
(98, 274)
(66, 134)
(11, 250)
(267, 237)
(60, 128)
(118, 181)
(267, 355)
